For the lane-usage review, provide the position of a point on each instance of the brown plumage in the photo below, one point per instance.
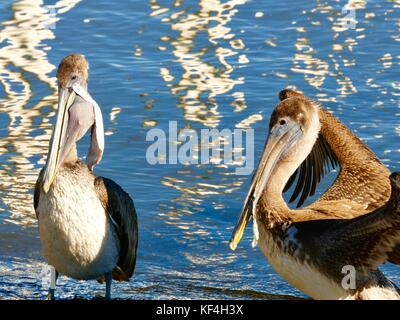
(74, 64)
(353, 223)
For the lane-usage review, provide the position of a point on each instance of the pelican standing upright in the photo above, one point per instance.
(87, 224)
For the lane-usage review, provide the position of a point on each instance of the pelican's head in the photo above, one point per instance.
(77, 112)
(73, 69)
(293, 129)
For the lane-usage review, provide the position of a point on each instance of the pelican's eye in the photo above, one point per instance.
(73, 78)
(282, 122)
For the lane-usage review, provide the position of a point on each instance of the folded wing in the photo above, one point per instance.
(119, 206)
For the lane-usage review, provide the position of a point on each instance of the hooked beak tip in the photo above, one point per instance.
(232, 245)
(46, 185)
(46, 188)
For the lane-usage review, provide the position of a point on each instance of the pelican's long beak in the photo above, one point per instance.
(280, 140)
(65, 99)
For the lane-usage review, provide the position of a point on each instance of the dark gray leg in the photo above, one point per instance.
(108, 285)
(53, 282)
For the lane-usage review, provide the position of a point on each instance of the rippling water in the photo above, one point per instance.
(205, 64)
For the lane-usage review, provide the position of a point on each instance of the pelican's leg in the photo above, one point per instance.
(108, 285)
(53, 282)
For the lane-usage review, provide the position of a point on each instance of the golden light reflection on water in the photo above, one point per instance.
(25, 55)
(316, 69)
(206, 75)
(195, 193)
(202, 81)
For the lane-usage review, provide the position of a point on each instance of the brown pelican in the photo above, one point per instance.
(87, 224)
(355, 224)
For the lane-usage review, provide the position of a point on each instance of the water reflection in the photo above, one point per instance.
(204, 44)
(24, 63)
(309, 61)
(195, 200)
(314, 69)
(317, 65)
(204, 48)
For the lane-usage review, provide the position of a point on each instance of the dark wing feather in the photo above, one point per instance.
(290, 181)
(367, 241)
(300, 181)
(312, 170)
(394, 255)
(36, 194)
(315, 173)
(307, 184)
(120, 207)
(364, 242)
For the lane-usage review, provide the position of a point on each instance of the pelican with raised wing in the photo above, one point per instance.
(87, 224)
(332, 248)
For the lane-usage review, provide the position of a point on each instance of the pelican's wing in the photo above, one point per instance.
(119, 206)
(366, 241)
(36, 194)
(363, 242)
(320, 160)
